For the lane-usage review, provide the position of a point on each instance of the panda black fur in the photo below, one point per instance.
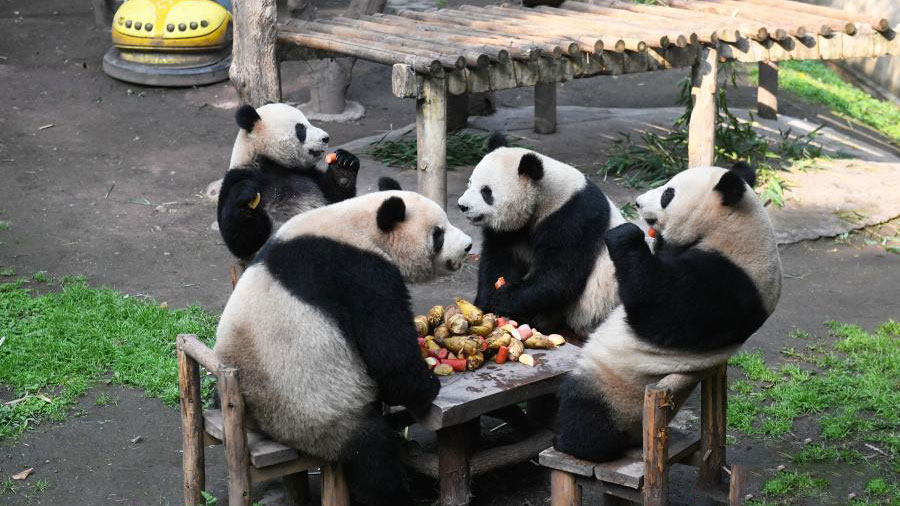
(543, 224)
(320, 325)
(273, 175)
(714, 279)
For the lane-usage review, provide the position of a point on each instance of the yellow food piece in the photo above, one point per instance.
(516, 348)
(432, 346)
(458, 324)
(472, 313)
(443, 370)
(557, 339)
(449, 311)
(475, 361)
(435, 316)
(539, 341)
(508, 328)
(481, 330)
(498, 339)
(455, 344)
(421, 325)
(255, 202)
(527, 360)
(471, 346)
(441, 332)
(489, 320)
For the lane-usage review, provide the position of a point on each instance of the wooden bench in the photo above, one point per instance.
(641, 476)
(474, 49)
(250, 456)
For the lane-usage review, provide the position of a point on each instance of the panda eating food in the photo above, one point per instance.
(321, 327)
(714, 279)
(543, 224)
(273, 175)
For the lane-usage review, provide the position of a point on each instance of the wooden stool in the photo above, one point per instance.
(642, 477)
(250, 456)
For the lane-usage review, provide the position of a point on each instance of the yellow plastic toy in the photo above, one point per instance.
(170, 43)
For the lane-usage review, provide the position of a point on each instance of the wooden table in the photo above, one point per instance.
(464, 397)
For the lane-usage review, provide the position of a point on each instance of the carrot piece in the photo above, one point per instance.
(502, 354)
(458, 364)
(330, 158)
(442, 353)
(499, 283)
(651, 232)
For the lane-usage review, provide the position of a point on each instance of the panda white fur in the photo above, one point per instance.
(543, 224)
(320, 325)
(714, 279)
(273, 175)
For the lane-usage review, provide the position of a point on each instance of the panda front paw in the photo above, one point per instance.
(624, 236)
(343, 174)
(345, 162)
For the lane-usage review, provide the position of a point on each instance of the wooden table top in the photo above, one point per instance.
(465, 396)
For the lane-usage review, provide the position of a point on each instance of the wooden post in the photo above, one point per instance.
(457, 112)
(334, 486)
(713, 406)
(193, 460)
(454, 445)
(657, 407)
(702, 127)
(296, 488)
(767, 91)
(545, 107)
(234, 429)
(736, 486)
(431, 132)
(563, 489)
(254, 69)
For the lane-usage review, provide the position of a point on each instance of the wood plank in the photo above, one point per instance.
(468, 395)
(264, 451)
(198, 351)
(193, 461)
(564, 491)
(713, 407)
(628, 471)
(555, 459)
(405, 82)
(657, 410)
(237, 458)
(504, 455)
(284, 469)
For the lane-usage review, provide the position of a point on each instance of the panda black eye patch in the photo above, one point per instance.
(667, 197)
(300, 128)
(487, 195)
(437, 236)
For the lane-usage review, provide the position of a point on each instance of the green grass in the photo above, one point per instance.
(7, 271)
(815, 82)
(40, 277)
(794, 483)
(105, 399)
(463, 149)
(817, 452)
(55, 346)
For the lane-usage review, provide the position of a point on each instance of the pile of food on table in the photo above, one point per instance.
(462, 337)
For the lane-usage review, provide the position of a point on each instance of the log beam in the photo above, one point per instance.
(767, 91)
(702, 126)
(254, 71)
(193, 460)
(431, 136)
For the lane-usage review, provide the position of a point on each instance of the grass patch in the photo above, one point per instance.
(816, 452)
(815, 82)
(7, 271)
(463, 149)
(654, 159)
(4, 225)
(55, 346)
(794, 483)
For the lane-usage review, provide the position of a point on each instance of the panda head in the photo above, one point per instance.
(278, 132)
(503, 188)
(407, 229)
(699, 200)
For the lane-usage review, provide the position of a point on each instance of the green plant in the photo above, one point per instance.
(656, 158)
(463, 148)
(629, 211)
(58, 344)
(4, 225)
(7, 271)
(105, 399)
(40, 485)
(792, 482)
(40, 276)
(210, 499)
(8, 487)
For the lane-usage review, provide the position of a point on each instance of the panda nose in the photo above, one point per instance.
(463, 208)
(325, 139)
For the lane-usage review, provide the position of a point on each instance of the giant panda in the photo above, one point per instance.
(321, 327)
(543, 224)
(273, 175)
(714, 278)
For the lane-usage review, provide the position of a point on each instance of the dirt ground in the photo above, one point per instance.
(112, 190)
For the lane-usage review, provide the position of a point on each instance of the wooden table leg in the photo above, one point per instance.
(192, 427)
(713, 408)
(296, 488)
(563, 489)
(334, 486)
(454, 448)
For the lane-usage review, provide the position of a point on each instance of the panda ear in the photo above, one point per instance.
(388, 183)
(746, 172)
(496, 140)
(246, 117)
(391, 212)
(531, 166)
(732, 188)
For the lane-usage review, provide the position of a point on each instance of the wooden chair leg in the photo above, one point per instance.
(334, 486)
(713, 407)
(296, 488)
(657, 409)
(236, 270)
(545, 108)
(191, 427)
(702, 125)
(564, 491)
(736, 486)
(237, 457)
(431, 138)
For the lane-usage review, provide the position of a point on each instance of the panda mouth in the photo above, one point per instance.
(453, 265)
(317, 152)
(477, 219)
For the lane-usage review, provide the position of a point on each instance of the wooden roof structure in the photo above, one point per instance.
(508, 46)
